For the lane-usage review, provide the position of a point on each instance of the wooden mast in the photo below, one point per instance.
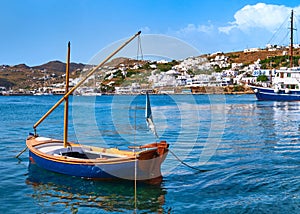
(291, 47)
(66, 113)
(82, 81)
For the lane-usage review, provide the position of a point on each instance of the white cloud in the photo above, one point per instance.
(252, 26)
(226, 29)
(192, 28)
(261, 15)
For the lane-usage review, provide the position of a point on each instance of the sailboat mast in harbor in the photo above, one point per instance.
(292, 38)
(66, 112)
(61, 156)
(286, 83)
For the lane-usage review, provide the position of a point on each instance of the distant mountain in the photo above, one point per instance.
(25, 77)
(58, 66)
(21, 66)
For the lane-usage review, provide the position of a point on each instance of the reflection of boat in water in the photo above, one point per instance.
(286, 83)
(140, 163)
(91, 94)
(62, 194)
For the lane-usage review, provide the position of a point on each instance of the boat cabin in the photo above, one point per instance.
(287, 78)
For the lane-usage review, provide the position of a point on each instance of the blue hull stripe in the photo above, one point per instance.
(270, 95)
(79, 170)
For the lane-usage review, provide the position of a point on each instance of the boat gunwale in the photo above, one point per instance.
(31, 143)
(71, 160)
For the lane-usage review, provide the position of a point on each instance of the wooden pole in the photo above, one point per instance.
(66, 113)
(292, 35)
(18, 155)
(82, 81)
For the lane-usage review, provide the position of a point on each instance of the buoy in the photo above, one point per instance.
(276, 90)
(287, 90)
(255, 91)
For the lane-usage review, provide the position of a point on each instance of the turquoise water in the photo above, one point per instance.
(248, 151)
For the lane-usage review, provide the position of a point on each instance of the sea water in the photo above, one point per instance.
(244, 154)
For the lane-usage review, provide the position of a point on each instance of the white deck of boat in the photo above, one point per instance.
(43, 139)
(50, 147)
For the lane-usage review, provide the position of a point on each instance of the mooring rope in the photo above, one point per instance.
(181, 161)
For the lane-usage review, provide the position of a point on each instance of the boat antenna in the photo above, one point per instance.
(66, 113)
(83, 80)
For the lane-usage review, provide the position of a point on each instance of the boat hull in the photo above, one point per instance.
(115, 164)
(78, 170)
(268, 94)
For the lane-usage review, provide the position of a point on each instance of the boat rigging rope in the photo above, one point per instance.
(199, 170)
(139, 49)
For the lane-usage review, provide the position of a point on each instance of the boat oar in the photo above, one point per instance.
(17, 156)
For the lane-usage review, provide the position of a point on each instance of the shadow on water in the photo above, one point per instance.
(60, 193)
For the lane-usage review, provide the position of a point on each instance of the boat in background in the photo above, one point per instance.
(139, 163)
(286, 82)
(285, 87)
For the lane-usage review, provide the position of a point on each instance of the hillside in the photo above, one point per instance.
(25, 77)
(58, 67)
(250, 57)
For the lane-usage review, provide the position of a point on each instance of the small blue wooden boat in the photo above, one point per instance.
(97, 163)
(139, 163)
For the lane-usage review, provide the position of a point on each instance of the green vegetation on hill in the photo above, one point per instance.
(167, 66)
(278, 61)
(6, 83)
(218, 69)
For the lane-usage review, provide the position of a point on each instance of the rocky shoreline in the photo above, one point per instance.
(231, 89)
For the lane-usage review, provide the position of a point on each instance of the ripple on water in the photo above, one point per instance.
(249, 149)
